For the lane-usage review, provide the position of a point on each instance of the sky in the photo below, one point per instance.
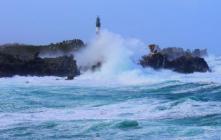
(169, 23)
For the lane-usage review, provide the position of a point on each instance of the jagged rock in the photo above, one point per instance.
(156, 61)
(176, 59)
(173, 53)
(29, 52)
(183, 64)
(61, 66)
(45, 60)
(200, 53)
(154, 48)
(189, 64)
(60, 49)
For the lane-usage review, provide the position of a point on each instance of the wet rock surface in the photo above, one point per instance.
(183, 64)
(28, 52)
(60, 66)
(26, 60)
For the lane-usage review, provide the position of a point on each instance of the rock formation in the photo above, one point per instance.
(24, 60)
(28, 52)
(174, 52)
(177, 60)
(60, 66)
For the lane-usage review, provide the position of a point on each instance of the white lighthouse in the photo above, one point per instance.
(98, 25)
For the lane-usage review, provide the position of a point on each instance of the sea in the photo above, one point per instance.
(121, 101)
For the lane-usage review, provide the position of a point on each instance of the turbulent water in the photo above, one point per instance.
(121, 101)
(167, 110)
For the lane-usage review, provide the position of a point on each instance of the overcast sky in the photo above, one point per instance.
(181, 23)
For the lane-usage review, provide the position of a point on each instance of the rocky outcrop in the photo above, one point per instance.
(174, 52)
(46, 60)
(183, 64)
(61, 66)
(189, 64)
(29, 52)
(61, 49)
(176, 59)
(156, 61)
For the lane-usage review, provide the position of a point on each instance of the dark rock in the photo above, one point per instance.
(154, 48)
(29, 52)
(173, 53)
(156, 61)
(189, 64)
(45, 60)
(183, 64)
(61, 66)
(200, 53)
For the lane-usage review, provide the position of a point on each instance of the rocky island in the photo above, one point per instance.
(49, 60)
(176, 59)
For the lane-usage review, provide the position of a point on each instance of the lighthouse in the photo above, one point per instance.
(98, 25)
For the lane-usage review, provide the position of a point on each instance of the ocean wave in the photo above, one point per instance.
(133, 109)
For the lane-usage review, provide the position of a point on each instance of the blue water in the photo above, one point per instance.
(121, 101)
(167, 110)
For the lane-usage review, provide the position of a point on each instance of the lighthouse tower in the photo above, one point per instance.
(98, 26)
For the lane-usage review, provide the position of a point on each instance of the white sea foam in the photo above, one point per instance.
(142, 109)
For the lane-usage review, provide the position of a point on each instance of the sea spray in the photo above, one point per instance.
(120, 58)
(116, 53)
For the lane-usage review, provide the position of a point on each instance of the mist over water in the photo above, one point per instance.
(120, 100)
